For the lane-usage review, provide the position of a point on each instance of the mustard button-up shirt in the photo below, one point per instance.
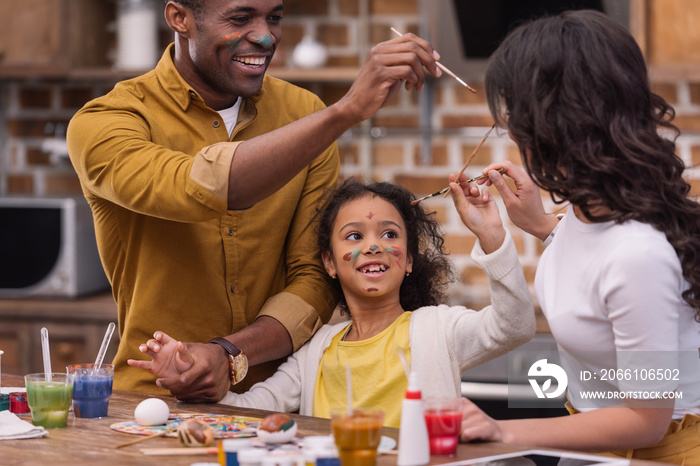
(153, 161)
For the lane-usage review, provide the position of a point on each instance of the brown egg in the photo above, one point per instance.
(276, 422)
(195, 433)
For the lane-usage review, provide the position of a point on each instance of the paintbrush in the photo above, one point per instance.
(476, 149)
(443, 68)
(471, 157)
(179, 451)
(141, 439)
(447, 189)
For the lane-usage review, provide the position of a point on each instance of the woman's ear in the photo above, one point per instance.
(328, 263)
(409, 263)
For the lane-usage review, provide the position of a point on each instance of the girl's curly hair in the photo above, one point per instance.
(574, 93)
(432, 271)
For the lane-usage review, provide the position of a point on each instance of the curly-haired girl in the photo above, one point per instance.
(385, 258)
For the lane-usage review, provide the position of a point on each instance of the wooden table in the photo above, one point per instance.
(91, 441)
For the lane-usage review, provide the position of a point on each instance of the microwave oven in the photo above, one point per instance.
(48, 248)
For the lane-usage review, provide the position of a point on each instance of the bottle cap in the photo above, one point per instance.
(272, 460)
(316, 442)
(326, 453)
(235, 444)
(413, 391)
(251, 455)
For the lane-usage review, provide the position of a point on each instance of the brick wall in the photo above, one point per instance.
(390, 147)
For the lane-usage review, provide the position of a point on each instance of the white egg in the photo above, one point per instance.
(152, 412)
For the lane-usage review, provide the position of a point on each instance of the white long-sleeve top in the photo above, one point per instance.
(614, 288)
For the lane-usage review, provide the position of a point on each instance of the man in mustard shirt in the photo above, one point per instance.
(203, 176)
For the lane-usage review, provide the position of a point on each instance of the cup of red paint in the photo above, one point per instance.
(443, 417)
(18, 402)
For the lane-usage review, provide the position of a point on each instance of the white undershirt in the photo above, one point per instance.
(230, 115)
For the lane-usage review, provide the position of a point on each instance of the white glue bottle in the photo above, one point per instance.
(414, 449)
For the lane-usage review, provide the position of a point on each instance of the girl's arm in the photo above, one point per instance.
(605, 429)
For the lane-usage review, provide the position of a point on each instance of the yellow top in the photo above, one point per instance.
(153, 161)
(378, 378)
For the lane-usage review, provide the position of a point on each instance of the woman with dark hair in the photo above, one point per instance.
(386, 257)
(620, 274)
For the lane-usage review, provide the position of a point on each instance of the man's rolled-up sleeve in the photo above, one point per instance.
(115, 159)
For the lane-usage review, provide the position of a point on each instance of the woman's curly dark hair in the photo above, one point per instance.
(573, 91)
(432, 271)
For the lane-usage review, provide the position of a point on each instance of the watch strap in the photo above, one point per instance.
(238, 362)
(230, 348)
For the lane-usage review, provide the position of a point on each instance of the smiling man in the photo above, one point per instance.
(203, 176)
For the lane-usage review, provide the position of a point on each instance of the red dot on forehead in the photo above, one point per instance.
(370, 215)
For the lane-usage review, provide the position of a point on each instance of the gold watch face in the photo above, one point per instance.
(240, 368)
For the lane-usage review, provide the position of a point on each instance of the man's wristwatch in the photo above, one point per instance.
(238, 361)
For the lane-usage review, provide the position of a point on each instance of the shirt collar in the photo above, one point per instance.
(176, 86)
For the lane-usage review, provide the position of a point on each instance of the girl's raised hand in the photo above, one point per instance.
(479, 213)
(169, 357)
(524, 204)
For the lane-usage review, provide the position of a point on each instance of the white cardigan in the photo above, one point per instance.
(445, 341)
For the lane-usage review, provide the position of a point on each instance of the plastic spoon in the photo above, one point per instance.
(46, 353)
(404, 363)
(103, 348)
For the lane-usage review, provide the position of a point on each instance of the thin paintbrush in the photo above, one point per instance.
(476, 149)
(443, 68)
(447, 189)
(471, 157)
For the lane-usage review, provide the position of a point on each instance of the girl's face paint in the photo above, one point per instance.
(232, 41)
(263, 39)
(371, 260)
(397, 253)
(352, 255)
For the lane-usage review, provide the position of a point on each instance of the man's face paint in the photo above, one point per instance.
(233, 40)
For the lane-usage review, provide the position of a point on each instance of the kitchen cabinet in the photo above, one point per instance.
(668, 35)
(49, 35)
(76, 329)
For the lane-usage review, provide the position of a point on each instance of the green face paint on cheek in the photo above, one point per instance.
(352, 255)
